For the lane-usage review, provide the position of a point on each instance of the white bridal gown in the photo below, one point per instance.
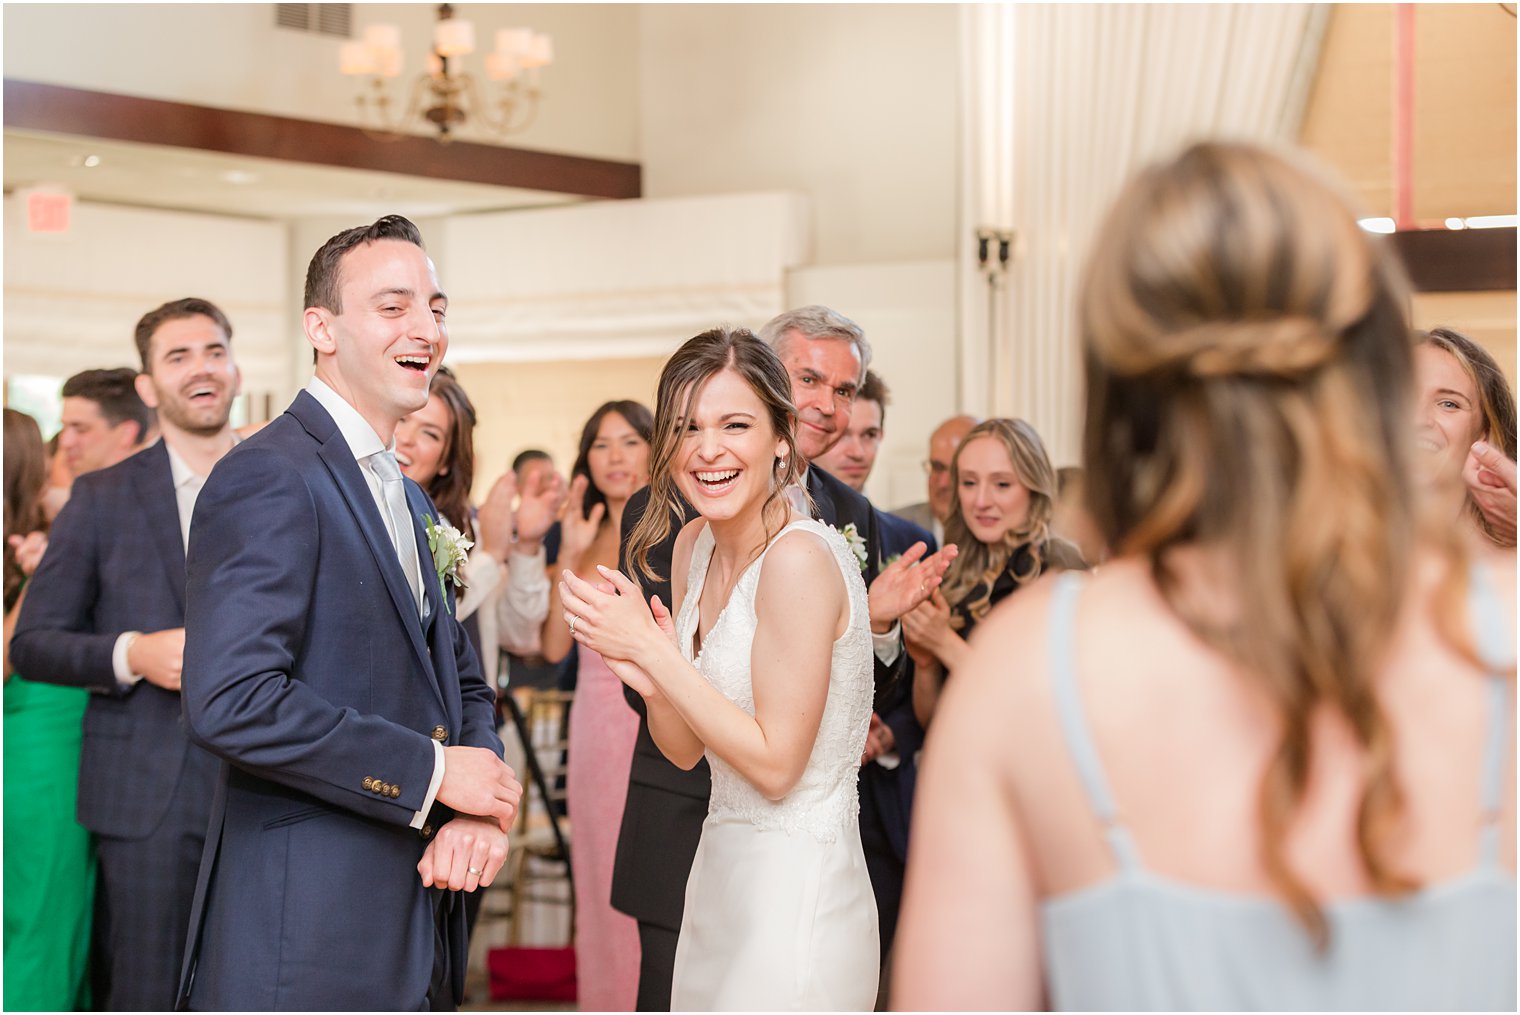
(779, 912)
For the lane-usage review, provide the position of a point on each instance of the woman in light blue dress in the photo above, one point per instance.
(1265, 758)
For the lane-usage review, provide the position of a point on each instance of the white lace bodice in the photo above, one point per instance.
(825, 800)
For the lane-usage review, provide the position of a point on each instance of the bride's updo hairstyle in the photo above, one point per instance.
(696, 362)
(1249, 376)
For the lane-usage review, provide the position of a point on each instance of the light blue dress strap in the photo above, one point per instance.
(1494, 638)
(1084, 755)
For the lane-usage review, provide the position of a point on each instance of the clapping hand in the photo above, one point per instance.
(926, 628)
(879, 740)
(577, 532)
(610, 617)
(541, 505)
(905, 583)
(493, 522)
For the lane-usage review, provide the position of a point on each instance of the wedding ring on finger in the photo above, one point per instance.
(474, 871)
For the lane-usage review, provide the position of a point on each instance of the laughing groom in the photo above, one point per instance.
(362, 787)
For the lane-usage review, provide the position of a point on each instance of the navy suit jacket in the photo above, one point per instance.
(889, 792)
(308, 670)
(115, 562)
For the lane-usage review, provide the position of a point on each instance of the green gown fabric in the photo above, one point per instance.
(49, 859)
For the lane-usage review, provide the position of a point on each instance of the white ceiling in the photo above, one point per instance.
(191, 180)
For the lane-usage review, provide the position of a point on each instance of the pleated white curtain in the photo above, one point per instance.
(1062, 103)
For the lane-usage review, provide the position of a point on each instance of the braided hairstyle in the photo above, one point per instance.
(1248, 368)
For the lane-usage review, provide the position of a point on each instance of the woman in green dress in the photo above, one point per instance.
(49, 860)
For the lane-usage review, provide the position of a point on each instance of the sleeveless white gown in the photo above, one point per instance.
(779, 911)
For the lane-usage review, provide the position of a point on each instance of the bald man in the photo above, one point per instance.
(931, 514)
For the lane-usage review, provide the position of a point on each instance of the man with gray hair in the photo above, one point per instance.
(826, 355)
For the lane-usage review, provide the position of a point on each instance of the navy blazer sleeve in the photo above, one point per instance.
(56, 640)
(254, 556)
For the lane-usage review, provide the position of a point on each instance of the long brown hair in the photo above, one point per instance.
(25, 476)
(450, 486)
(637, 416)
(1496, 403)
(685, 372)
(1249, 374)
(979, 564)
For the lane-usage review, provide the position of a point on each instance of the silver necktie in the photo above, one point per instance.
(399, 521)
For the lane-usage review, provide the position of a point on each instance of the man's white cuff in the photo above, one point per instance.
(124, 675)
(888, 646)
(427, 801)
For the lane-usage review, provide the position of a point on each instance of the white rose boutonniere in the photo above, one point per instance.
(450, 550)
(856, 543)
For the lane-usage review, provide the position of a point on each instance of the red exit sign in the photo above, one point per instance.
(48, 211)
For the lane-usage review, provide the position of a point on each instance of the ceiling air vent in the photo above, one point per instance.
(327, 19)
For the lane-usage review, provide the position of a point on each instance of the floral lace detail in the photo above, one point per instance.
(825, 800)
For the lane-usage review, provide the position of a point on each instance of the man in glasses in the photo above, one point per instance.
(931, 514)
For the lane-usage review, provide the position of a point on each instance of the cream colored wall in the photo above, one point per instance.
(1464, 110)
(1487, 318)
(852, 105)
(232, 55)
(545, 405)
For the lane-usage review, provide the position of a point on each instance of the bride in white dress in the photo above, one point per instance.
(767, 670)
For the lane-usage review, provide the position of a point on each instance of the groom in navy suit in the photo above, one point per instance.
(363, 786)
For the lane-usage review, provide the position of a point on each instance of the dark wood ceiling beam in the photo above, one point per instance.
(30, 105)
(1458, 260)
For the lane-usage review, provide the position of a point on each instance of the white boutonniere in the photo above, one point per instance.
(856, 543)
(450, 550)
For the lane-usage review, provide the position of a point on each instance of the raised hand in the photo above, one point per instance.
(633, 675)
(477, 782)
(466, 854)
(1490, 479)
(28, 550)
(905, 583)
(493, 522)
(541, 505)
(577, 532)
(159, 657)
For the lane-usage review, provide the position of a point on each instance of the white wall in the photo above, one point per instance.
(233, 56)
(72, 299)
(907, 311)
(853, 106)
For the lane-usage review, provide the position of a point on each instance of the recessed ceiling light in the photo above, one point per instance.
(239, 176)
(91, 161)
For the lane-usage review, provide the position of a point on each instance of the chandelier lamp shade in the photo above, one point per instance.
(445, 95)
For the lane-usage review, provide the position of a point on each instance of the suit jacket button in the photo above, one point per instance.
(440, 734)
(427, 831)
(369, 782)
(395, 791)
(382, 788)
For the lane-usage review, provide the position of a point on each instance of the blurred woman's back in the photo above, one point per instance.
(1264, 758)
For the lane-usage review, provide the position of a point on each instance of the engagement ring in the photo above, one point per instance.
(573, 619)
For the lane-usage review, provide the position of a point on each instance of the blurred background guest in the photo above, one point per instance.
(49, 862)
(1462, 399)
(535, 474)
(55, 492)
(612, 463)
(931, 514)
(1264, 758)
(435, 447)
(1002, 498)
(104, 420)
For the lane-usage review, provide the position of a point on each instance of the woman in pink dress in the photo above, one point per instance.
(613, 463)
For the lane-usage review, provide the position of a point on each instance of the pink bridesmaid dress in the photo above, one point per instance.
(602, 732)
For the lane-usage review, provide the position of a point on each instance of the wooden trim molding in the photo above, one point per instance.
(1458, 260)
(31, 105)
